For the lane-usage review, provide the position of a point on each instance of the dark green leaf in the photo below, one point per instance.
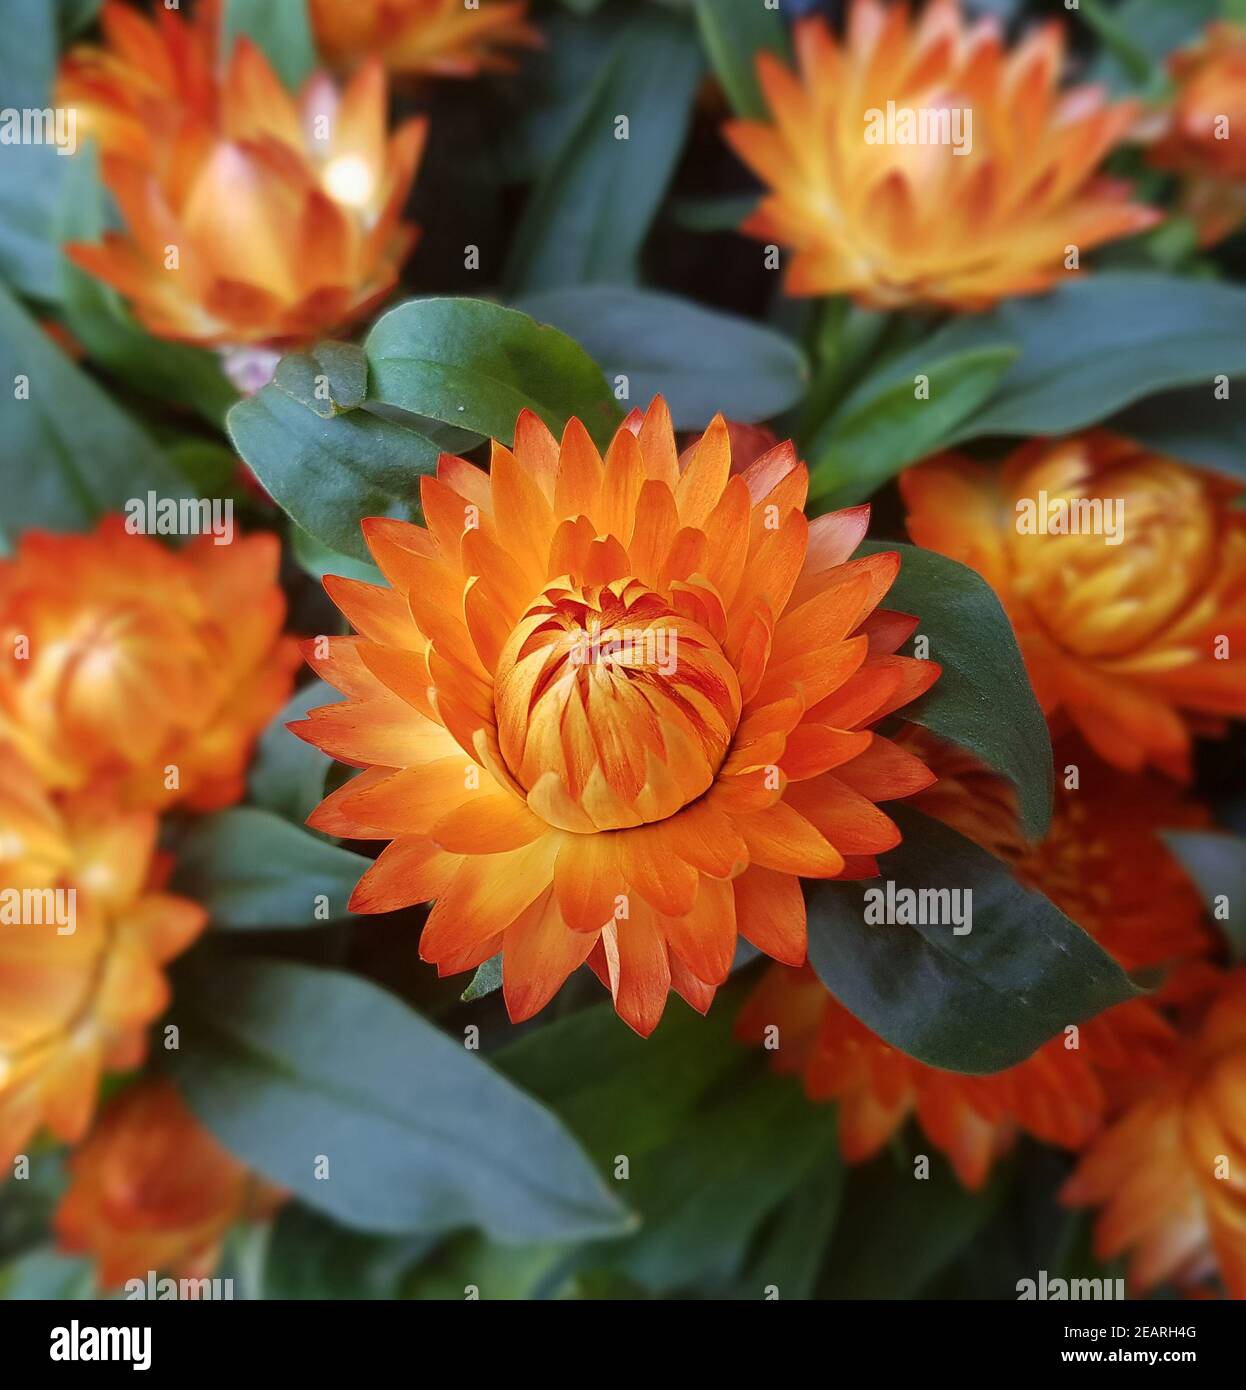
(80, 454)
(30, 175)
(589, 215)
(702, 361)
(734, 33)
(310, 1256)
(703, 1196)
(318, 560)
(330, 474)
(790, 1254)
(280, 28)
(884, 424)
(250, 868)
(476, 365)
(329, 379)
(1216, 861)
(1095, 345)
(977, 1002)
(1193, 426)
(898, 1231)
(982, 701)
(285, 1063)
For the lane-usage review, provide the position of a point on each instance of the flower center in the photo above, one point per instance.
(613, 708)
(1122, 555)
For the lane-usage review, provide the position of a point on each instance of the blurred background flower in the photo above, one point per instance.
(896, 220)
(142, 672)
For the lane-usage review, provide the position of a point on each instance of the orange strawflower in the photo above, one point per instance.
(252, 217)
(1124, 575)
(1087, 865)
(435, 38)
(1170, 1173)
(986, 207)
(141, 670)
(80, 972)
(612, 711)
(152, 1192)
(1205, 132)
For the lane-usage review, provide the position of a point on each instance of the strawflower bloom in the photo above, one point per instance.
(1170, 1174)
(139, 670)
(1124, 575)
(918, 162)
(1204, 137)
(432, 38)
(612, 711)
(1061, 1094)
(151, 1191)
(80, 974)
(252, 217)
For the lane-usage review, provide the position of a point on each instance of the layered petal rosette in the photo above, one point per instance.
(81, 956)
(253, 217)
(152, 1192)
(434, 38)
(1087, 865)
(1169, 1175)
(1124, 575)
(917, 161)
(612, 710)
(141, 671)
(1204, 131)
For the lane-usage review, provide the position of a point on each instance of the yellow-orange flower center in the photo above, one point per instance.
(1097, 596)
(612, 706)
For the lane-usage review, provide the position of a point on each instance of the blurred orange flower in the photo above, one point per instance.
(1124, 575)
(80, 975)
(1170, 1173)
(140, 670)
(252, 218)
(152, 1191)
(1087, 866)
(612, 711)
(916, 162)
(1197, 141)
(438, 38)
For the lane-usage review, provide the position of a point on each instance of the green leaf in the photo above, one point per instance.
(80, 454)
(495, 1272)
(1139, 35)
(250, 868)
(1216, 862)
(330, 474)
(896, 1234)
(486, 980)
(791, 1253)
(701, 360)
(98, 318)
(75, 15)
(620, 1093)
(329, 379)
(44, 1274)
(884, 425)
(476, 365)
(703, 1196)
(284, 1062)
(974, 1003)
(1193, 426)
(982, 701)
(310, 1256)
(589, 215)
(288, 774)
(734, 33)
(30, 175)
(280, 28)
(1096, 345)
(318, 560)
